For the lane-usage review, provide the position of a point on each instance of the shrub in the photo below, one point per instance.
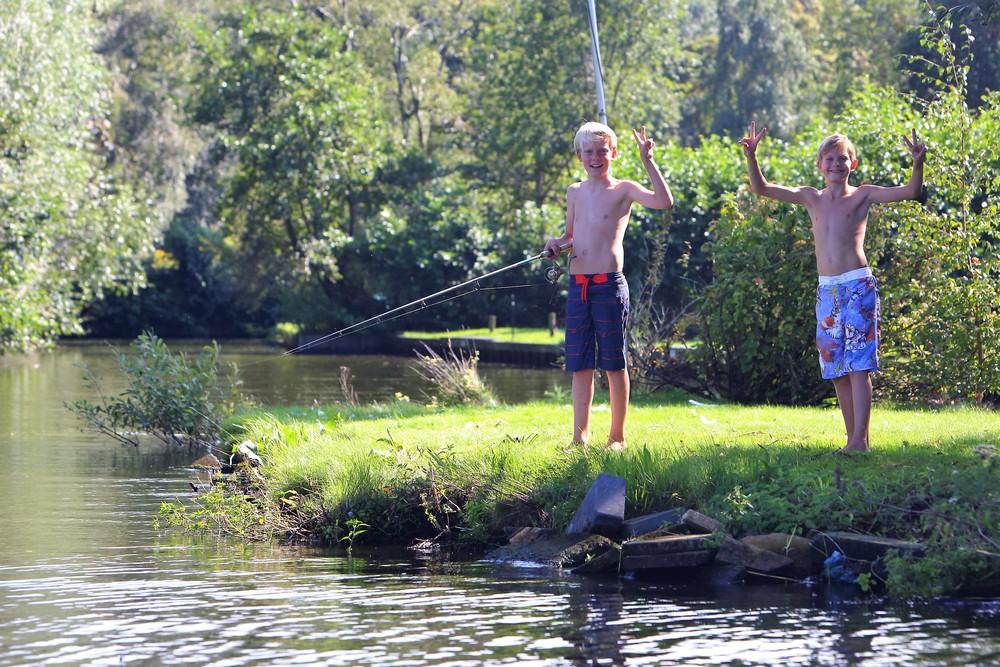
(176, 399)
(455, 376)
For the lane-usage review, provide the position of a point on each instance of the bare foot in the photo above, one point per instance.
(576, 445)
(616, 446)
(851, 448)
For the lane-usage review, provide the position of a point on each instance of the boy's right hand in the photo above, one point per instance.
(552, 248)
(750, 142)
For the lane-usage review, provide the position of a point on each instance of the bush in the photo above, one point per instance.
(455, 376)
(169, 396)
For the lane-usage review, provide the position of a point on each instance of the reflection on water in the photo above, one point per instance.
(84, 579)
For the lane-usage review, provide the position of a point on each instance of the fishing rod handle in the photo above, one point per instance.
(562, 246)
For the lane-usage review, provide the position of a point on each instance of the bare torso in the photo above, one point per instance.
(838, 225)
(601, 213)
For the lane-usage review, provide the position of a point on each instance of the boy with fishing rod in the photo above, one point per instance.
(847, 303)
(597, 213)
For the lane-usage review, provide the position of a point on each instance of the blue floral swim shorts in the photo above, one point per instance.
(596, 314)
(847, 323)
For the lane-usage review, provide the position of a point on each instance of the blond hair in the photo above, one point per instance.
(588, 131)
(837, 140)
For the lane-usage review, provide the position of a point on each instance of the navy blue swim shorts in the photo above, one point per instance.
(596, 314)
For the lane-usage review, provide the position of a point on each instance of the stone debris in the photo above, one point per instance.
(701, 523)
(246, 452)
(668, 521)
(607, 563)
(666, 545)
(734, 552)
(856, 546)
(602, 510)
(668, 560)
(797, 548)
(559, 551)
(527, 535)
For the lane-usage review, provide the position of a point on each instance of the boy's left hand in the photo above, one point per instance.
(645, 145)
(918, 149)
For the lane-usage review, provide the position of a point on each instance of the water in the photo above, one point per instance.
(85, 580)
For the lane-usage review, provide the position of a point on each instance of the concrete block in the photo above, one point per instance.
(648, 523)
(861, 547)
(668, 561)
(701, 523)
(605, 564)
(666, 545)
(734, 552)
(798, 549)
(602, 510)
(555, 551)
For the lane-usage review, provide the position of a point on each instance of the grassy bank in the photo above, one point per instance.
(529, 336)
(409, 471)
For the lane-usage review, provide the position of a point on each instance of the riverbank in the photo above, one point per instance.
(413, 472)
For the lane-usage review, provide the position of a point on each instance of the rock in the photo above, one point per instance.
(798, 549)
(207, 461)
(734, 552)
(246, 452)
(666, 545)
(861, 547)
(556, 551)
(668, 560)
(602, 510)
(606, 563)
(649, 523)
(523, 536)
(701, 523)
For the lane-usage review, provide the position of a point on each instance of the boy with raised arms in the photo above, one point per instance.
(597, 213)
(847, 302)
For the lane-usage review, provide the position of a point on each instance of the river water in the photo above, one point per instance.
(86, 580)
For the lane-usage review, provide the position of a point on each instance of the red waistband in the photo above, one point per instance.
(584, 279)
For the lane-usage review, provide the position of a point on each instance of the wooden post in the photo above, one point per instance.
(493, 323)
(552, 324)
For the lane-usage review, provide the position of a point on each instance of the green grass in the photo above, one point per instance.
(412, 471)
(532, 336)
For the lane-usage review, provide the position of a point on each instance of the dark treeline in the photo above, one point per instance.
(214, 168)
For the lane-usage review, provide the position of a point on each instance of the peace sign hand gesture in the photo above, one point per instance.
(645, 145)
(918, 149)
(750, 142)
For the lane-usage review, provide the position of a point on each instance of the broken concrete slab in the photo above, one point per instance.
(668, 560)
(642, 525)
(555, 551)
(701, 523)
(797, 548)
(666, 545)
(734, 552)
(603, 508)
(720, 575)
(856, 546)
(530, 534)
(606, 564)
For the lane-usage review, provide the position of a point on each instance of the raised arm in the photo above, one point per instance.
(918, 151)
(552, 245)
(660, 196)
(758, 184)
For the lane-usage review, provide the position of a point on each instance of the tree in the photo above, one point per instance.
(71, 230)
(300, 143)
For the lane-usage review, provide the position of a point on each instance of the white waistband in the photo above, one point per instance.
(856, 274)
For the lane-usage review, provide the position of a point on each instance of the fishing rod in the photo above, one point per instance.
(552, 274)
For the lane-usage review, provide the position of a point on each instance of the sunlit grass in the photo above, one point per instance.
(530, 336)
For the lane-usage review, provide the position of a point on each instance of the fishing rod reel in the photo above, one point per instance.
(553, 272)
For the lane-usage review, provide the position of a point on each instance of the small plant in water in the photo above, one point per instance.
(177, 399)
(355, 528)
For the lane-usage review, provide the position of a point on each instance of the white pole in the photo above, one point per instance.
(595, 48)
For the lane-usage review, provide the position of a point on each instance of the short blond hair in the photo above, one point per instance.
(837, 140)
(588, 131)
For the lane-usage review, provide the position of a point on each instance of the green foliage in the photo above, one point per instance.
(171, 397)
(299, 139)
(455, 377)
(71, 230)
